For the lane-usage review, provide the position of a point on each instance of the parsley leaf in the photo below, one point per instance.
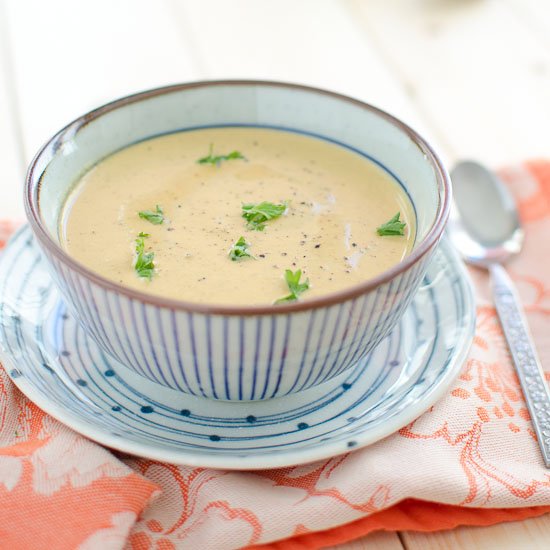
(155, 217)
(294, 285)
(143, 263)
(240, 250)
(257, 214)
(392, 227)
(215, 160)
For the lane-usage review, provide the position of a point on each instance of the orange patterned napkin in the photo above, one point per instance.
(471, 459)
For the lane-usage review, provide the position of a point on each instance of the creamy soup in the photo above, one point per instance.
(153, 218)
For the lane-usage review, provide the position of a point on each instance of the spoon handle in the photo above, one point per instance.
(528, 366)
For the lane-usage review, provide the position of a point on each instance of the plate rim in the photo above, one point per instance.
(296, 457)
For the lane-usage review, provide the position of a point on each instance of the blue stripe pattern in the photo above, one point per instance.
(194, 353)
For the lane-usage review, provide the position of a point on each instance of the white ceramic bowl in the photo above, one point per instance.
(223, 352)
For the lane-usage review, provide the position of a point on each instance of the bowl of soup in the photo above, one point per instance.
(237, 240)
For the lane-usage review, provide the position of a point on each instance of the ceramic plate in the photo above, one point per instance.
(54, 363)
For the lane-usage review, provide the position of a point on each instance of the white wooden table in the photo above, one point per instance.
(473, 76)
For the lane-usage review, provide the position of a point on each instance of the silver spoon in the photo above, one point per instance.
(484, 226)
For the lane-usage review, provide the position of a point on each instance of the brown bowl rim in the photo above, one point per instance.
(32, 208)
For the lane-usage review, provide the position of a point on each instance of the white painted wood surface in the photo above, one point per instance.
(11, 153)
(473, 76)
(476, 69)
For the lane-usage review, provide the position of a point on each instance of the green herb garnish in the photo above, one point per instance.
(240, 250)
(143, 264)
(156, 217)
(257, 214)
(294, 285)
(393, 227)
(215, 160)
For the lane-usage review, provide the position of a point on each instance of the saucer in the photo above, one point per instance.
(56, 365)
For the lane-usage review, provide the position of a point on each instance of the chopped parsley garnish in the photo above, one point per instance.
(240, 250)
(215, 160)
(144, 264)
(156, 217)
(392, 227)
(257, 214)
(294, 285)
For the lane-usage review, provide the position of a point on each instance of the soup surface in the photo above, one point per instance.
(327, 203)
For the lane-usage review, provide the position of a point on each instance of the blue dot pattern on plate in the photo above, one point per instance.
(354, 409)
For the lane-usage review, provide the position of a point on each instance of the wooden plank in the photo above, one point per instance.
(379, 540)
(477, 71)
(72, 56)
(11, 194)
(313, 42)
(532, 534)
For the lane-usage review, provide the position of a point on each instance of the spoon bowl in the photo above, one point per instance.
(484, 224)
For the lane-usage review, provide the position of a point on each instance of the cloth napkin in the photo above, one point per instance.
(471, 459)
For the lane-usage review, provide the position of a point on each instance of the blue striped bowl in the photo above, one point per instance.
(224, 352)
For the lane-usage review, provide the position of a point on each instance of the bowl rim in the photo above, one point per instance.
(33, 183)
